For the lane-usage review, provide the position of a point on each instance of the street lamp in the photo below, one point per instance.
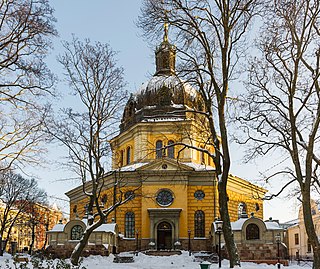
(189, 242)
(219, 224)
(278, 240)
(137, 242)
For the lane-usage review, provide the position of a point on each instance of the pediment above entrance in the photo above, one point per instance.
(165, 164)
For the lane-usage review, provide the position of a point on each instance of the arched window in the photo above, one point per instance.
(159, 149)
(128, 155)
(242, 210)
(76, 232)
(129, 225)
(199, 224)
(121, 158)
(170, 149)
(252, 232)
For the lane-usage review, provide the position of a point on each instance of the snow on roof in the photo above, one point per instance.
(237, 225)
(200, 167)
(293, 225)
(291, 222)
(171, 82)
(190, 90)
(109, 227)
(85, 221)
(156, 82)
(272, 225)
(57, 228)
(195, 166)
(177, 105)
(131, 167)
(158, 119)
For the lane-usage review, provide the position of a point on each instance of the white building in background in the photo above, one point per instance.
(298, 244)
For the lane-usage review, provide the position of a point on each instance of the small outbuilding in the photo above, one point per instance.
(64, 237)
(256, 240)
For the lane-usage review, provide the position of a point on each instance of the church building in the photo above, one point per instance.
(172, 185)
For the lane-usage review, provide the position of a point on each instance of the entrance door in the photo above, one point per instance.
(164, 235)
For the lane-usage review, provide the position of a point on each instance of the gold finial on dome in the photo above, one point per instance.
(166, 30)
(166, 26)
(165, 53)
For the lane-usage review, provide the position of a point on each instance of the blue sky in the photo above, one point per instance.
(100, 20)
(112, 22)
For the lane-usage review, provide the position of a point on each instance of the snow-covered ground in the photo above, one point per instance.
(143, 261)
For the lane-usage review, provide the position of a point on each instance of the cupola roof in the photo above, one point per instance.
(165, 96)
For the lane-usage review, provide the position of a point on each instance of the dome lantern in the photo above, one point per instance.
(165, 56)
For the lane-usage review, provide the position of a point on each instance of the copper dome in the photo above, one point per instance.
(164, 96)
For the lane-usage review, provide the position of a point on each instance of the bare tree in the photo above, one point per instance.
(34, 218)
(26, 27)
(209, 37)
(16, 193)
(96, 80)
(282, 109)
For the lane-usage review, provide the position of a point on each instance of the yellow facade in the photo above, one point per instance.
(183, 181)
(160, 155)
(21, 234)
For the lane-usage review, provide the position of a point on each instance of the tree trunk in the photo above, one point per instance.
(1, 237)
(227, 231)
(76, 253)
(316, 258)
(4, 245)
(5, 242)
(309, 226)
(1, 248)
(33, 235)
(46, 237)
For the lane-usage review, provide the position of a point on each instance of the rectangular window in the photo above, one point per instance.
(129, 225)
(296, 239)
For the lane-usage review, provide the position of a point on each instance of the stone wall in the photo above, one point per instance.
(125, 245)
(64, 251)
(199, 244)
(260, 251)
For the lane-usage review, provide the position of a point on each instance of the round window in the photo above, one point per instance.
(199, 195)
(164, 198)
(76, 232)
